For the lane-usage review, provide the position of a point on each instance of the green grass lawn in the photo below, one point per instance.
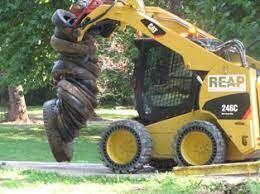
(15, 181)
(28, 142)
(105, 113)
(116, 113)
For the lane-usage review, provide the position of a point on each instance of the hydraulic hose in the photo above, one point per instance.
(236, 45)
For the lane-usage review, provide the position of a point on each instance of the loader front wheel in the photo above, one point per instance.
(199, 143)
(125, 146)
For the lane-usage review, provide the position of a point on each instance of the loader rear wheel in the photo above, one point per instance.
(199, 143)
(125, 146)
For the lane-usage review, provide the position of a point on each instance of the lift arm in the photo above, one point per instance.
(164, 27)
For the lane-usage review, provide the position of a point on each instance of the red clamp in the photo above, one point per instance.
(81, 13)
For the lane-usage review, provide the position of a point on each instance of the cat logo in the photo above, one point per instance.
(153, 28)
(227, 83)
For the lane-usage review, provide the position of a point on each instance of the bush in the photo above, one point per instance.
(115, 88)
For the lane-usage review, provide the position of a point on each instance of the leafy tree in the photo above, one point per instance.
(227, 19)
(26, 57)
(25, 54)
(25, 30)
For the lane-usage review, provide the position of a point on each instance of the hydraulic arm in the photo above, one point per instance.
(165, 28)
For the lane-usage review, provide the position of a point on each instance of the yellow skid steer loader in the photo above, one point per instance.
(198, 98)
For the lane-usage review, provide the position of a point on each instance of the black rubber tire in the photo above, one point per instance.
(162, 165)
(74, 102)
(68, 69)
(66, 34)
(64, 46)
(212, 131)
(92, 67)
(80, 60)
(144, 142)
(85, 97)
(61, 151)
(75, 74)
(61, 17)
(77, 59)
(89, 85)
(74, 121)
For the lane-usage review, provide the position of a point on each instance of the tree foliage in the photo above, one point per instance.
(25, 29)
(227, 19)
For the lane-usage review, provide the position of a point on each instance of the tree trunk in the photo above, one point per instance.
(17, 107)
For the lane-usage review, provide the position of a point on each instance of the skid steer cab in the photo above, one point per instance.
(198, 98)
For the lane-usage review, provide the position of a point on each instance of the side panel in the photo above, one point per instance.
(230, 107)
(163, 132)
(241, 134)
(229, 93)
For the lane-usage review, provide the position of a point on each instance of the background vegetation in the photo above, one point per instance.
(26, 56)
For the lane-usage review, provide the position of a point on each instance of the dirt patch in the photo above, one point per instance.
(228, 184)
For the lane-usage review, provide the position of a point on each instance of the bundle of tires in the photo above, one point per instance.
(75, 73)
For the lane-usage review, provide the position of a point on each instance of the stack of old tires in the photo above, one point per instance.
(75, 73)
